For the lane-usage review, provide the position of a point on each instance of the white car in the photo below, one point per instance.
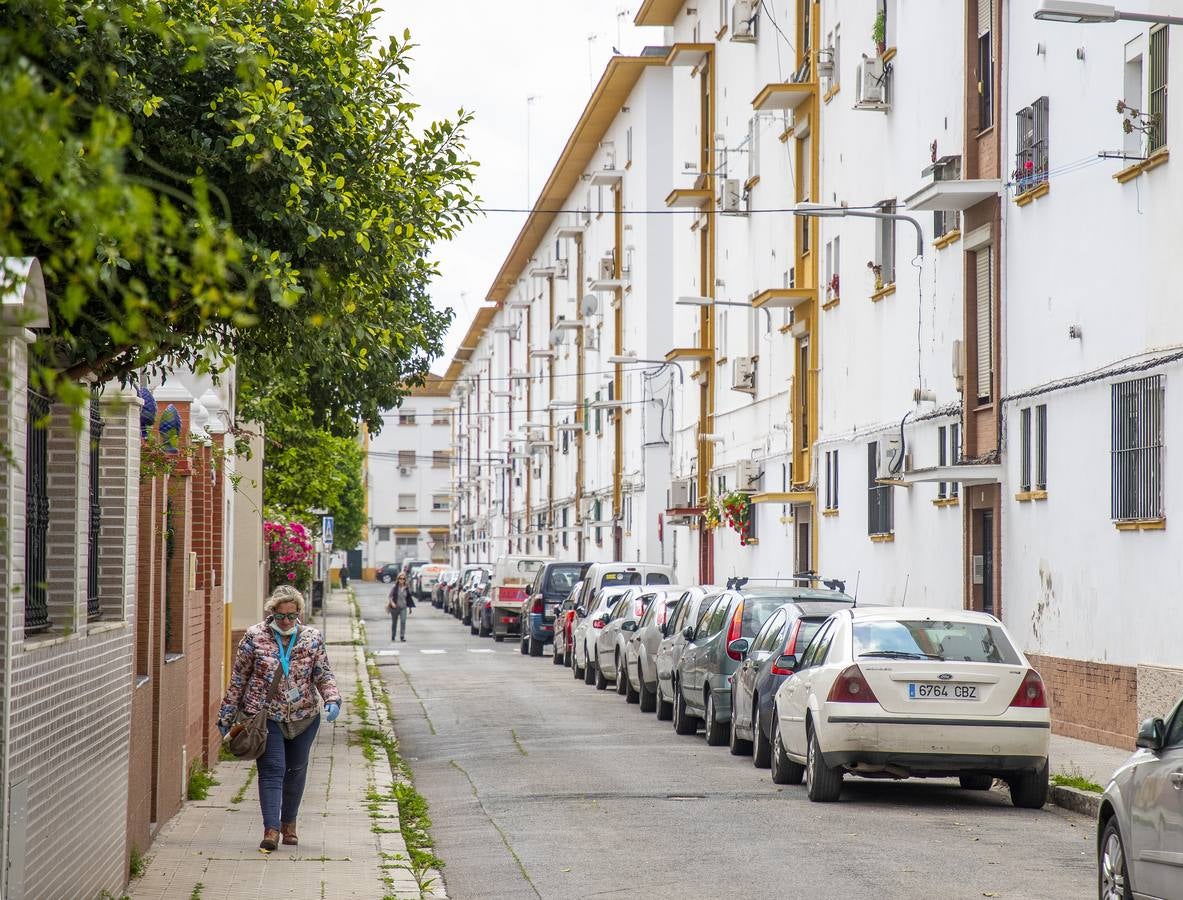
(587, 629)
(612, 639)
(899, 692)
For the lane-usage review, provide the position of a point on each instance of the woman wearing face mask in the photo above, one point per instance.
(280, 647)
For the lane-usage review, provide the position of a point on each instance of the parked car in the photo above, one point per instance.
(785, 633)
(688, 612)
(641, 649)
(619, 625)
(475, 579)
(388, 572)
(511, 580)
(564, 619)
(879, 691)
(1140, 822)
(478, 602)
(467, 574)
(550, 586)
(587, 628)
(440, 589)
(409, 567)
(424, 579)
(702, 677)
(610, 575)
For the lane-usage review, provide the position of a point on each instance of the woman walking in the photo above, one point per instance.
(399, 604)
(281, 648)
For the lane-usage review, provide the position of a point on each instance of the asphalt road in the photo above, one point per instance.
(540, 785)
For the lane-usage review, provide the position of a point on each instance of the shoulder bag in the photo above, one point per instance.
(247, 737)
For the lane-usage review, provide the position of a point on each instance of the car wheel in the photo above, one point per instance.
(499, 638)
(784, 770)
(648, 694)
(466, 620)
(589, 671)
(665, 709)
(556, 657)
(568, 657)
(534, 646)
(823, 783)
(621, 677)
(1028, 790)
(386, 579)
(601, 681)
(737, 745)
(716, 731)
(761, 746)
(1113, 880)
(472, 627)
(683, 723)
(523, 646)
(575, 669)
(977, 782)
(631, 694)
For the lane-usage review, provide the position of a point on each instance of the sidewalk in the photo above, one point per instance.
(350, 839)
(1096, 762)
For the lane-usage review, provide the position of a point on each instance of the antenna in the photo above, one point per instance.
(590, 305)
(904, 599)
(857, 578)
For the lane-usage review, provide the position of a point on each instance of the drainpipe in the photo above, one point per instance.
(580, 414)
(618, 380)
(550, 451)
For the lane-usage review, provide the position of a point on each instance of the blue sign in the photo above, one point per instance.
(326, 531)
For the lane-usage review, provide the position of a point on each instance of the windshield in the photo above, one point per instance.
(961, 641)
(561, 579)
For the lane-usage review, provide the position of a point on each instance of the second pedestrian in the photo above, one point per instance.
(400, 603)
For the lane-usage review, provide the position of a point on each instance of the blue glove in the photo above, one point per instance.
(332, 710)
(225, 729)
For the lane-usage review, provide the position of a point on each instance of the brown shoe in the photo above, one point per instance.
(288, 830)
(270, 840)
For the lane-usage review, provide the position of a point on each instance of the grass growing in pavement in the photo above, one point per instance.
(238, 797)
(138, 864)
(201, 780)
(1079, 782)
(197, 891)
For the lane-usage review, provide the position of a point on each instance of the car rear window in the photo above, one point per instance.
(618, 578)
(961, 641)
(657, 578)
(756, 611)
(561, 579)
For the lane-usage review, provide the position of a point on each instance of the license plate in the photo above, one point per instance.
(922, 691)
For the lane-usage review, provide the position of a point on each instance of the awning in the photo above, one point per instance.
(784, 497)
(406, 531)
(944, 196)
(968, 474)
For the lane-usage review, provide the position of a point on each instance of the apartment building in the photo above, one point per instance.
(848, 271)
(408, 480)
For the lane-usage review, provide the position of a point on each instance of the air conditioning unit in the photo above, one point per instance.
(731, 198)
(405, 470)
(591, 339)
(743, 21)
(538, 471)
(747, 475)
(825, 63)
(889, 463)
(681, 493)
(607, 267)
(871, 84)
(743, 374)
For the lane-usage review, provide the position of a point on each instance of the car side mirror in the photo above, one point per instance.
(581, 612)
(787, 662)
(1151, 734)
(739, 646)
(628, 626)
(688, 633)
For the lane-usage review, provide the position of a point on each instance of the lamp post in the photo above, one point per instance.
(627, 359)
(1076, 13)
(816, 210)
(711, 301)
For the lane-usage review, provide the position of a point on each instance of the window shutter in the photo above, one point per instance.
(985, 322)
(985, 16)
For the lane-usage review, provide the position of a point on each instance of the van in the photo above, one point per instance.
(611, 575)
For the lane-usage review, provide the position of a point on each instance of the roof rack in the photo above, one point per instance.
(834, 584)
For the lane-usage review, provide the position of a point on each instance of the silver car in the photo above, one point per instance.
(640, 653)
(587, 627)
(619, 624)
(688, 613)
(1140, 824)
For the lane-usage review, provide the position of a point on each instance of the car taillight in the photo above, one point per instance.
(638, 609)
(598, 623)
(1030, 693)
(851, 687)
(735, 631)
(537, 607)
(790, 649)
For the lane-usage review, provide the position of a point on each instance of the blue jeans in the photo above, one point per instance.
(398, 616)
(283, 768)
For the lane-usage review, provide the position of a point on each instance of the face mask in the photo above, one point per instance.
(284, 631)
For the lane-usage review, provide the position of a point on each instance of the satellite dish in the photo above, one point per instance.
(589, 305)
(556, 337)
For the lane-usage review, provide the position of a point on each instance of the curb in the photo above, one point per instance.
(1087, 803)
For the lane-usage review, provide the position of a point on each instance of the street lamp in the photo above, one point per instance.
(1075, 13)
(711, 301)
(628, 359)
(816, 210)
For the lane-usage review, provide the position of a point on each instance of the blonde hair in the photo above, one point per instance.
(285, 593)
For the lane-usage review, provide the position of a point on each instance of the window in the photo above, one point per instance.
(712, 620)
(954, 455)
(766, 640)
(1041, 447)
(879, 500)
(406, 418)
(406, 542)
(406, 459)
(946, 220)
(597, 511)
(984, 343)
(753, 147)
(1033, 448)
(441, 417)
(809, 656)
(831, 479)
(565, 514)
(441, 459)
(1136, 456)
(942, 460)
(803, 394)
(833, 262)
(885, 244)
(985, 68)
(406, 502)
(1157, 89)
(599, 418)
(1031, 132)
(1025, 449)
(383, 533)
(441, 502)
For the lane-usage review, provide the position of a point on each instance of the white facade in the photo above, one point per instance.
(408, 481)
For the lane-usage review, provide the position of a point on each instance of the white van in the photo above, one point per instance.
(598, 577)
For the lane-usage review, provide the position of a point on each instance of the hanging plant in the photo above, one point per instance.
(712, 514)
(737, 509)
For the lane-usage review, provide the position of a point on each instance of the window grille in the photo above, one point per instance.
(879, 499)
(954, 456)
(1025, 449)
(1157, 136)
(1031, 144)
(36, 514)
(1137, 443)
(93, 602)
(942, 460)
(1041, 447)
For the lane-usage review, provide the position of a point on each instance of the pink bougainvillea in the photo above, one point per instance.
(290, 553)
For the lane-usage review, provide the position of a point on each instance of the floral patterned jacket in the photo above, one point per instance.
(256, 662)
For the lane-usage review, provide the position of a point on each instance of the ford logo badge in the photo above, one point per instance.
(944, 676)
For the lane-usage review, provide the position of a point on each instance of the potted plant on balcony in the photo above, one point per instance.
(712, 514)
(737, 507)
(879, 31)
(832, 287)
(877, 269)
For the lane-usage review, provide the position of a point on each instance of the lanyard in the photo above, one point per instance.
(285, 653)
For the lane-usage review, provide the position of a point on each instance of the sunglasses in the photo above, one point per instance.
(290, 617)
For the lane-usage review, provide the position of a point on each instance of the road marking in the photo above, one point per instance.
(481, 650)
(433, 651)
(387, 653)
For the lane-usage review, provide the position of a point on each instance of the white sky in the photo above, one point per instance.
(489, 56)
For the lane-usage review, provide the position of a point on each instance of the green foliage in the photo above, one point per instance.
(1079, 782)
(137, 864)
(206, 181)
(201, 780)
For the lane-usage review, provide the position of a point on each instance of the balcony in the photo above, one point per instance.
(785, 96)
(690, 198)
(782, 298)
(948, 196)
(688, 55)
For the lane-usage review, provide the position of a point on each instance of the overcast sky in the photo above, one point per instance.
(489, 57)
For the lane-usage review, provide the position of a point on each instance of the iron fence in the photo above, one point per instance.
(36, 514)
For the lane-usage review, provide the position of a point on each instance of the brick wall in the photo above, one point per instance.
(1091, 701)
(68, 487)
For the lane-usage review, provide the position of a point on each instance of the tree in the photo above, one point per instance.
(241, 180)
